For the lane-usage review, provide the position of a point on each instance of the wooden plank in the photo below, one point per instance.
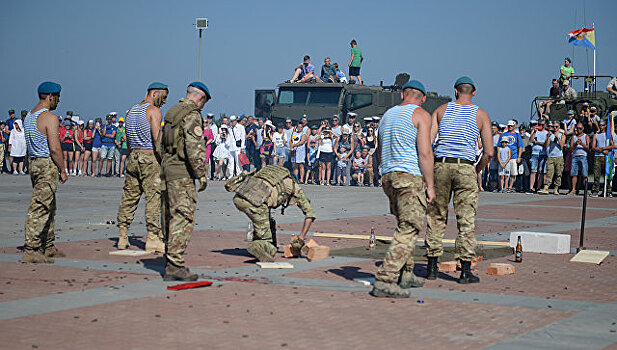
(129, 252)
(590, 256)
(388, 238)
(275, 265)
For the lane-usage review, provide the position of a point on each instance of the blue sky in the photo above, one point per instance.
(105, 53)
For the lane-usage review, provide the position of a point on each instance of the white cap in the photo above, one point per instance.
(376, 118)
(368, 119)
(269, 123)
(502, 126)
(81, 122)
(113, 113)
(352, 114)
(511, 122)
(210, 115)
(233, 117)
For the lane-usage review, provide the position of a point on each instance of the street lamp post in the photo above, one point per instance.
(201, 24)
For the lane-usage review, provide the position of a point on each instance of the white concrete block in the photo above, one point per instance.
(541, 242)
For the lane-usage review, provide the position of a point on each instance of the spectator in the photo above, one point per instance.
(340, 76)
(597, 146)
(10, 123)
(612, 87)
(566, 72)
(357, 168)
(524, 166)
(579, 147)
(215, 132)
(88, 139)
(298, 151)
(366, 168)
(251, 130)
(304, 123)
(515, 143)
(355, 61)
(314, 134)
(67, 137)
(594, 118)
(538, 156)
(554, 95)
(311, 158)
(328, 72)
(372, 143)
(570, 123)
(327, 140)
(78, 146)
(504, 154)
(238, 135)
(554, 144)
(97, 143)
(279, 139)
(351, 119)
(568, 91)
(342, 161)
(305, 72)
(209, 139)
(357, 138)
(222, 154)
(493, 168)
(121, 145)
(4, 139)
(336, 127)
(268, 148)
(108, 139)
(585, 118)
(17, 147)
(289, 128)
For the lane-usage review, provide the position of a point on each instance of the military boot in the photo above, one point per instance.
(155, 244)
(544, 190)
(432, 270)
(556, 191)
(466, 275)
(36, 257)
(262, 250)
(54, 252)
(123, 239)
(174, 273)
(389, 290)
(409, 280)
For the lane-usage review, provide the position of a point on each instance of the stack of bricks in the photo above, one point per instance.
(311, 251)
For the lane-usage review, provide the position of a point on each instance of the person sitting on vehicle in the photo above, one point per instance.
(568, 91)
(554, 95)
(340, 76)
(304, 72)
(611, 87)
(328, 72)
(566, 71)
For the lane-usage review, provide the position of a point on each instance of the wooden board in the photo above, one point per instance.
(388, 238)
(590, 256)
(275, 265)
(129, 252)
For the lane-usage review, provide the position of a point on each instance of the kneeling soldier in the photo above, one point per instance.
(257, 193)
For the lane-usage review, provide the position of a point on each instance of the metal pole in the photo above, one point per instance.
(594, 70)
(200, 55)
(580, 245)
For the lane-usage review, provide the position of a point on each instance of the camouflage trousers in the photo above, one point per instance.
(458, 181)
(2, 149)
(408, 203)
(260, 216)
(143, 176)
(42, 211)
(179, 209)
(598, 173)
(554, 167)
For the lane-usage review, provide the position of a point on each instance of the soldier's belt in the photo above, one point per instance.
(453, 160)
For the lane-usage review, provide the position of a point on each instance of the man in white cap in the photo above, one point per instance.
(351, 118)
(238, 134)
(568, 91)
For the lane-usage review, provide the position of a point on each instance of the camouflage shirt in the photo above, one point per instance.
(194, 166)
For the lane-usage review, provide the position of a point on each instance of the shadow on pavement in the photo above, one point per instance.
(155, 264)
(350, 272)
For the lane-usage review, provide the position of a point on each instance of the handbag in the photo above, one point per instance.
(243, 159)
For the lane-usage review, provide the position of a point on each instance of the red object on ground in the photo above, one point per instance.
(190, 285)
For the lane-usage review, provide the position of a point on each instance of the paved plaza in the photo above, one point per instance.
(93, 300)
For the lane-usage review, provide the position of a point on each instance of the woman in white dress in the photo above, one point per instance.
(222, 153)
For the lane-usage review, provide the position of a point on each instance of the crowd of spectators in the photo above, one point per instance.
(533, 159)
(325, 154)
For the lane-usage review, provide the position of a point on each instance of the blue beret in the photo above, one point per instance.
(157, 86)
(414, 84)
(201, 86)
(241, 117)
(49, 87)
(464, 80)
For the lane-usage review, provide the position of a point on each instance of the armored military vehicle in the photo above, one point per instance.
(599, 98)
(320, 101)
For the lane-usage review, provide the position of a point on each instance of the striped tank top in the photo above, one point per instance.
(579, 150)
(36, 142)
(138, 130)
(397, 137)
(458, 132)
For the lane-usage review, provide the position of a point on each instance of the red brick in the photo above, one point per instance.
(290, 252)
(448, 266)
(500, 269)
(319, 252)
(307, 245)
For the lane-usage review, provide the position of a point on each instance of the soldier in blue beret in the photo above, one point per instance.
(46, 165)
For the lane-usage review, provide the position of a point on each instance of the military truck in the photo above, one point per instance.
(601, 99)
(320, 101)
